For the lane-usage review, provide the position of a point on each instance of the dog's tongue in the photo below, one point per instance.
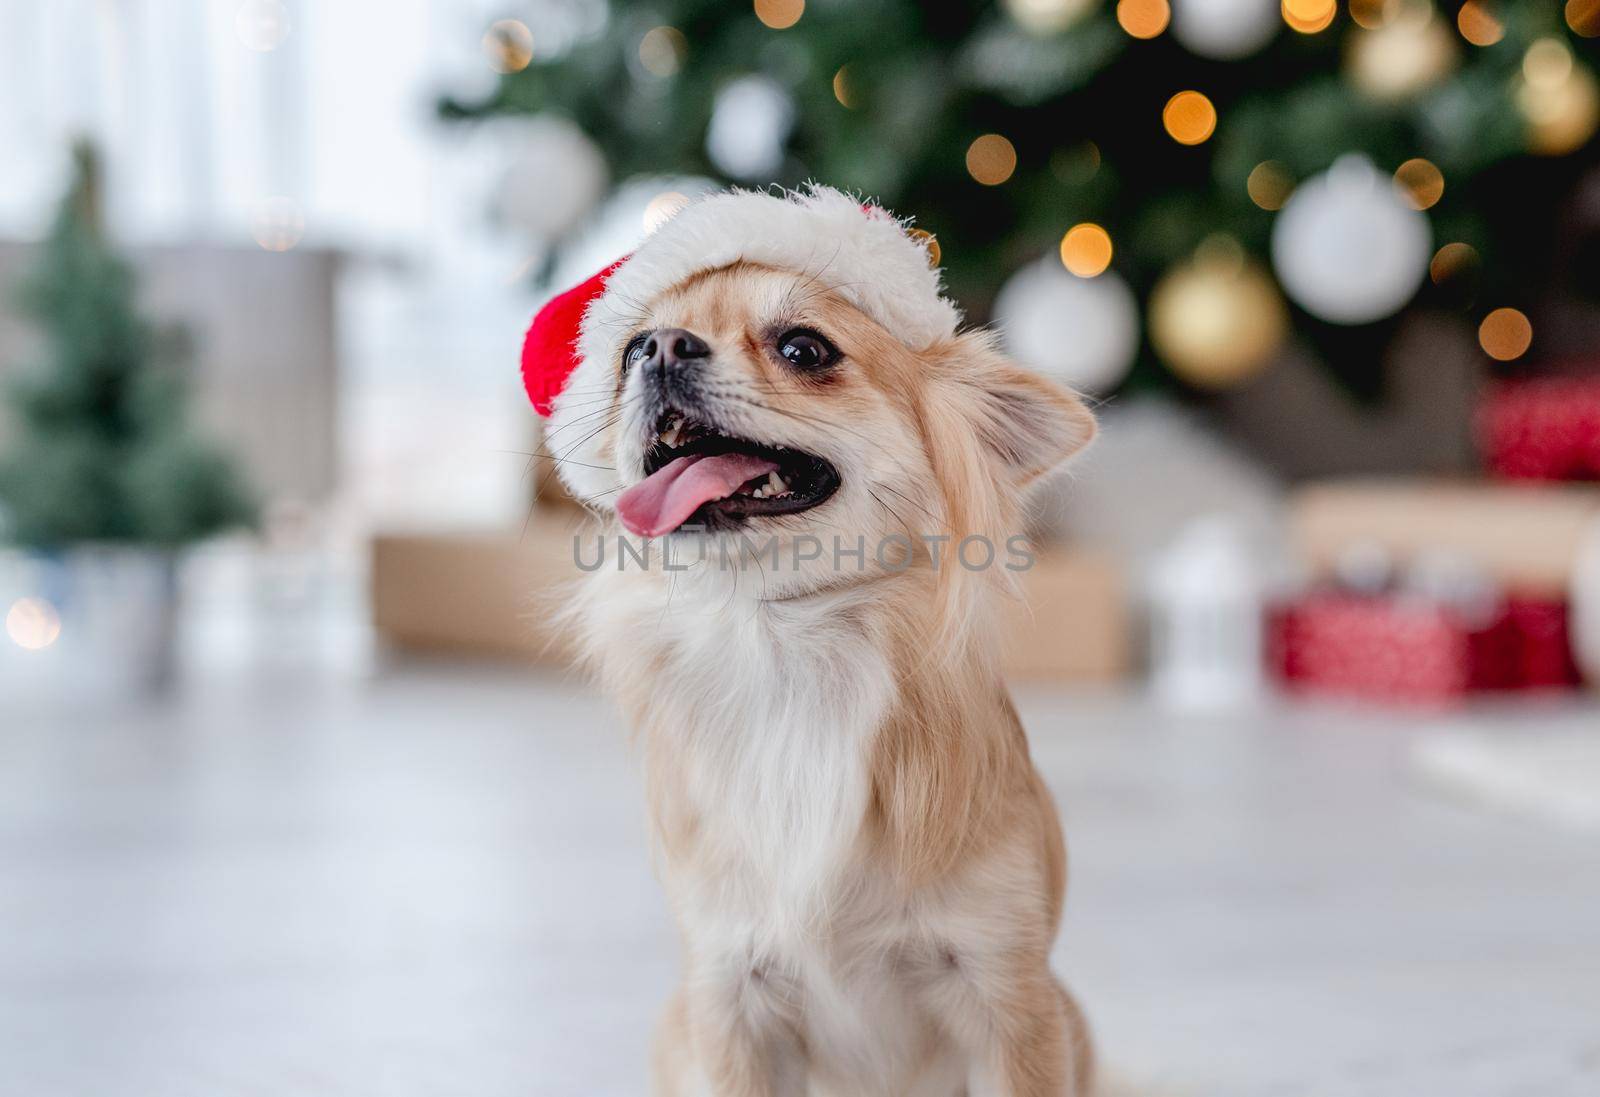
(663, 501)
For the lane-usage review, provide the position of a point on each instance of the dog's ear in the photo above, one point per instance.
(1027, 422)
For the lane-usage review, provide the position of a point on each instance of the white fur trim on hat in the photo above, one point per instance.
(862, 252)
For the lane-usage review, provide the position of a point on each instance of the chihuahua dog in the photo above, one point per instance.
(866, 870)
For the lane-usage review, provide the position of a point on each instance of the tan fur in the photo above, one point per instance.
(893, 940)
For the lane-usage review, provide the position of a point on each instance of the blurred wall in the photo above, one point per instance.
(261, 327)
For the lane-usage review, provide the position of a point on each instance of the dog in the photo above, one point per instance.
(865, 868)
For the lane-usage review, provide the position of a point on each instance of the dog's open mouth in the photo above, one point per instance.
(696, 474)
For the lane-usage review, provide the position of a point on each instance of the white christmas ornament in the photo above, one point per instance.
(750, 122)
(554, 176)
(1224, 29)
(1348, 247)
(1083, 331)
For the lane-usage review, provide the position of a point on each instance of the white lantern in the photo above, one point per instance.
(1205, 602)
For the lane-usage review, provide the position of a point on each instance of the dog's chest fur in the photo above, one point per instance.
(758, 731)
(758, 725)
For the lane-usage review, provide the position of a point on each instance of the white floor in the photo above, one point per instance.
(434, 883)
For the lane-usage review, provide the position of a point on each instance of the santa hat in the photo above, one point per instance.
(861, 252)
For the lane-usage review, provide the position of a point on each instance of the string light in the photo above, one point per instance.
(1143, 18)
(660, 209)
(1371, 14)
(509, 46)
(1309, 16)
(1547, 63)
(1422, 182)
(930, 244)
(661, 51)
(780, 14)
(841, 87)
(1505, 334)
(1046, 17)
(991, 159)
(33, 624)
(1452, 261)
(1479, 25)
(1189, 118)
(1583, 16)
(1086, 250)
(279, 224)
(1269, 185)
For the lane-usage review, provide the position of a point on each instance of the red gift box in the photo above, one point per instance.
(1543, 429)
(1402, 648)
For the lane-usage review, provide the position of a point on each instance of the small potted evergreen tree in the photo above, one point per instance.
(104, 480)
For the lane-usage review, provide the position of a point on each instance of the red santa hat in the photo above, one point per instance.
(862, 252)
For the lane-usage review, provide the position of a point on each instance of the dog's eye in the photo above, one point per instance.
(633, 352)
(806, 350)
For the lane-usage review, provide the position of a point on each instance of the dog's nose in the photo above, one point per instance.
(671, 348)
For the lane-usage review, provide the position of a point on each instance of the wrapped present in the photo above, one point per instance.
(1379, 647)
(1542, 429)
(1397, 647)
(1526, 646)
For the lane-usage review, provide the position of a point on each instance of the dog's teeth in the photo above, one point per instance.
(671, 435)
(776, 484)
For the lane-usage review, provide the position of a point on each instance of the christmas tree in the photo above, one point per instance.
(104, 452)
(1155, 146)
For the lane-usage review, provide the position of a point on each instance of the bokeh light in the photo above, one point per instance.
(1451, 262)
(1547, 63)
(1422, 182)
(930, 244)
(33, 624)
(660, 209)
(1505, 334)
(1309, 16)
(1189, 118)
(1559, 98)
(662, 50)
(1371, 14)
(262, 25)
(279, 224)
(1086, 250)
(1143, 18)
(1046, 17)
(508, 45)
(1583, 16)
(1478, 24)
(780, 14)
(991, 159)
(841, 87)
(1269, 185)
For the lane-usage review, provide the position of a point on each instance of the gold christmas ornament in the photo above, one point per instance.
(1410, 52)
(1047, 16)
(1558, 97)
(1217, 319)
